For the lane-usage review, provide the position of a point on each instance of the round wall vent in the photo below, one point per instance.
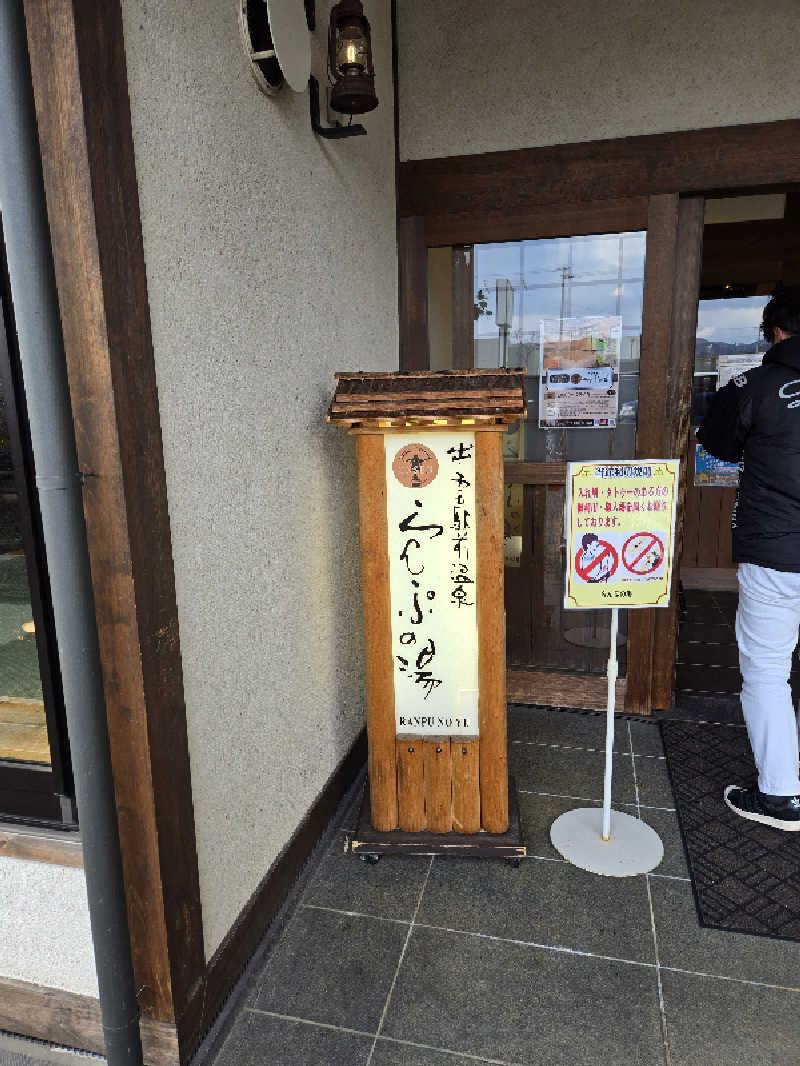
(276, 42)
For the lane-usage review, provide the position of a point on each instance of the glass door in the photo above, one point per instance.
(568, 310)
(35, 777)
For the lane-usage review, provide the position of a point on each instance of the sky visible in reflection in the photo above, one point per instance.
(733, 321)
(570, 277)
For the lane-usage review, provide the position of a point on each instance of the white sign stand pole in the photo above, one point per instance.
(589, 837)
(611, 698)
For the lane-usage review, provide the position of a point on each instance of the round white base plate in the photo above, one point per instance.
(589, 637)
(634, 848)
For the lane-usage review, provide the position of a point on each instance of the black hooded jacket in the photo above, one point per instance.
(755, 420)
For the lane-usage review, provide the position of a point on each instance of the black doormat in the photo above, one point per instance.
(746, 876)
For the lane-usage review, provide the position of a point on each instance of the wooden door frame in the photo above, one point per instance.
(656, 182)
(80, 86)
(79, 78)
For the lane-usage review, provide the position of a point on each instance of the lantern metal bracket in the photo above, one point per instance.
(333, 132)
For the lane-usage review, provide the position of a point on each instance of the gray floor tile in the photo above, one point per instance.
(722, 1023)
(646, 738)
(682, 943)
(565, 772)
(348, 819)
(537, 814)
(666, 825)
(387, 889)
(332, 968)
(557, 727)
(653, 781)
(389, 1053)
(258, 1039)
(524, 1005)
(551, 903)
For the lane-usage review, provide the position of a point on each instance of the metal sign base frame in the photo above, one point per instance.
(600, 840)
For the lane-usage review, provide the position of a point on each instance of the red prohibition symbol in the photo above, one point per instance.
(643, 553)
(596, 560)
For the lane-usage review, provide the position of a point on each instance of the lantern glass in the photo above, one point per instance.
(350, 60)
(352, 50)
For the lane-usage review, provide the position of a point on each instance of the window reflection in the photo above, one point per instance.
(521, 288)
(23, 729)
(562, 279)
(728, 341)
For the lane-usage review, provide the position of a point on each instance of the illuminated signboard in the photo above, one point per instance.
(430, 479)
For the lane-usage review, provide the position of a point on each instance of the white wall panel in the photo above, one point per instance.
(45, 936)
(271, 264)
(477, 77)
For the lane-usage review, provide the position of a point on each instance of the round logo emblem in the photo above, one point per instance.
(415, 466)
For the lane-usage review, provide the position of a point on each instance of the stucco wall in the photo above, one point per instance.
(46, 938)
(271, 264)
(521, 73)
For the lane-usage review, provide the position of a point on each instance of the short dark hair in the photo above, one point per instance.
(782, 312)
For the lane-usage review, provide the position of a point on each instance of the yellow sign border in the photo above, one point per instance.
(574, 470)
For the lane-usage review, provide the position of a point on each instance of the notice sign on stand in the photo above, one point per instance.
(620, 532)
(620, 528)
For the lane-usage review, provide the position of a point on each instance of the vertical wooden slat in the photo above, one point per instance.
(659, 273)
(413, 294)
(438, 785)
(518, 591)
(465, 755)
(78, 71)
(463, 307)
(708, 526)
(410, 785)
(491, 631)
(676, 420)
(377, 635)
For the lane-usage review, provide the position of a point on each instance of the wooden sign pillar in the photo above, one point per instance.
(430, 482)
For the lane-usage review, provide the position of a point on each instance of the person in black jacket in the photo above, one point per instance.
(755, 420)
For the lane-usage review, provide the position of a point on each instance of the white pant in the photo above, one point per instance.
(766, 631)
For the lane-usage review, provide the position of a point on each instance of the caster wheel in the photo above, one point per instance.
(514, 863)
(371, 859)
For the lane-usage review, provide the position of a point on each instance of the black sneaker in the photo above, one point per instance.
(783, 813)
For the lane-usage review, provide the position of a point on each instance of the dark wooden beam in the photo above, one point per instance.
(662, 235)
(413, 294)
(58, 848)
(75, 1021)
(552, 689)
(790, 274)
(750, 253)
(676, 420)
(81, 93)
(482, 224)
(672, 276)
(514, 183)
(525, 473)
